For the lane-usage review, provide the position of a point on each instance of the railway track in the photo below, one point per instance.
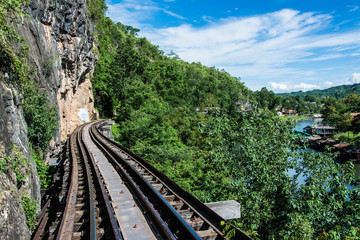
(87, 213)
(182, 215)
(92, 203)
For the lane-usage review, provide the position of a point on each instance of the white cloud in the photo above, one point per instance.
(208, 19)
(355, 78)
(281, 87)
(278, 86)
(353, 8)
(173, 14)
(329, 84)
(305, 86)
(264, 48)
(135, 12)
(131, 12)
(259, 46)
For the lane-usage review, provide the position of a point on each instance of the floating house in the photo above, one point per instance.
(321, 130)
(289, 112)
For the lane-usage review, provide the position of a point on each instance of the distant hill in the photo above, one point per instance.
(335, 92)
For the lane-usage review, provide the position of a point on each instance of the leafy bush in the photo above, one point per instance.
(40, 116)
(30, 208)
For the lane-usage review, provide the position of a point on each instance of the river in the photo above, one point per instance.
(299, 127)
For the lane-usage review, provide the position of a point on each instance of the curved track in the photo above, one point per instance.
(168, 211)
(87, 213)
(184, 216)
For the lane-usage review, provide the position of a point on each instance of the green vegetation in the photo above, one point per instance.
(12, 48)
(337, 92)
(348, 137)
(44, 171)
(297, 117)
(302, 105)
(188, 120)
(40, 115)
(30, 208)
(337, 112)
(17, 164)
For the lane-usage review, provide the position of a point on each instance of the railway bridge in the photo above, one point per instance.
(102, 190)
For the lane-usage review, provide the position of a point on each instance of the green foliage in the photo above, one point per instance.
(43, 170)
(337, 92)
(12, 48)
(338, 113)
(253, 153)
(267, 99)
(30, 208)
(96, 9)
(270, 100)
(42, 119)
(40, 116)
(20, 165)
(301, 105)
(228, 230)
(10, 11)
(5, 164)
(225, 153)
(17, 164)
(131, 69)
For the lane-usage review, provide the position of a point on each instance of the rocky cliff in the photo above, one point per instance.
(59, 36)
(60, 39)
(14, 142)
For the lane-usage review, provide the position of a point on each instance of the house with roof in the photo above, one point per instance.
(321, 130)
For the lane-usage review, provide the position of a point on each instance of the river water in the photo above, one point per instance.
(304, 123)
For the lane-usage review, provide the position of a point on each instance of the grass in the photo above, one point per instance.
(115, 130)
(294, 117)
(348, 137)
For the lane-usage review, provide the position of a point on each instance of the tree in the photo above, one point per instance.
(352, 101)
(355, 125)
(252, 154)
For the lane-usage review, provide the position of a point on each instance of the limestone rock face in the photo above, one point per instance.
(13, 222)
(14, 142)
(61, 51)
(60, 40)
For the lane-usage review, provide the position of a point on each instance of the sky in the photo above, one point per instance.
(283, 45)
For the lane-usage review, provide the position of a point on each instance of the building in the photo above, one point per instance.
(289, 112)
(321, 130)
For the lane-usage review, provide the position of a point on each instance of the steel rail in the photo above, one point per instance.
(67, 222)
(151, 212)
(43, 216)
(90, 186)
(148, 191)
(205, 213)
(114, 227)
(42, 220)
(79, 152)
(182, 227)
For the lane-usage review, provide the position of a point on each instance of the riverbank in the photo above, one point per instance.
(296, 118)
(348, 137)
(347, 152)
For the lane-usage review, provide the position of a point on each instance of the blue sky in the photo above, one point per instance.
(284, 45)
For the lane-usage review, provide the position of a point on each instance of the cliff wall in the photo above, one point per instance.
(59, 36)
(60, 39)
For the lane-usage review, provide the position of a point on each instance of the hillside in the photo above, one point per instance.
(46, 58)
(335, 92)
(186, 119)
(158, 103)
